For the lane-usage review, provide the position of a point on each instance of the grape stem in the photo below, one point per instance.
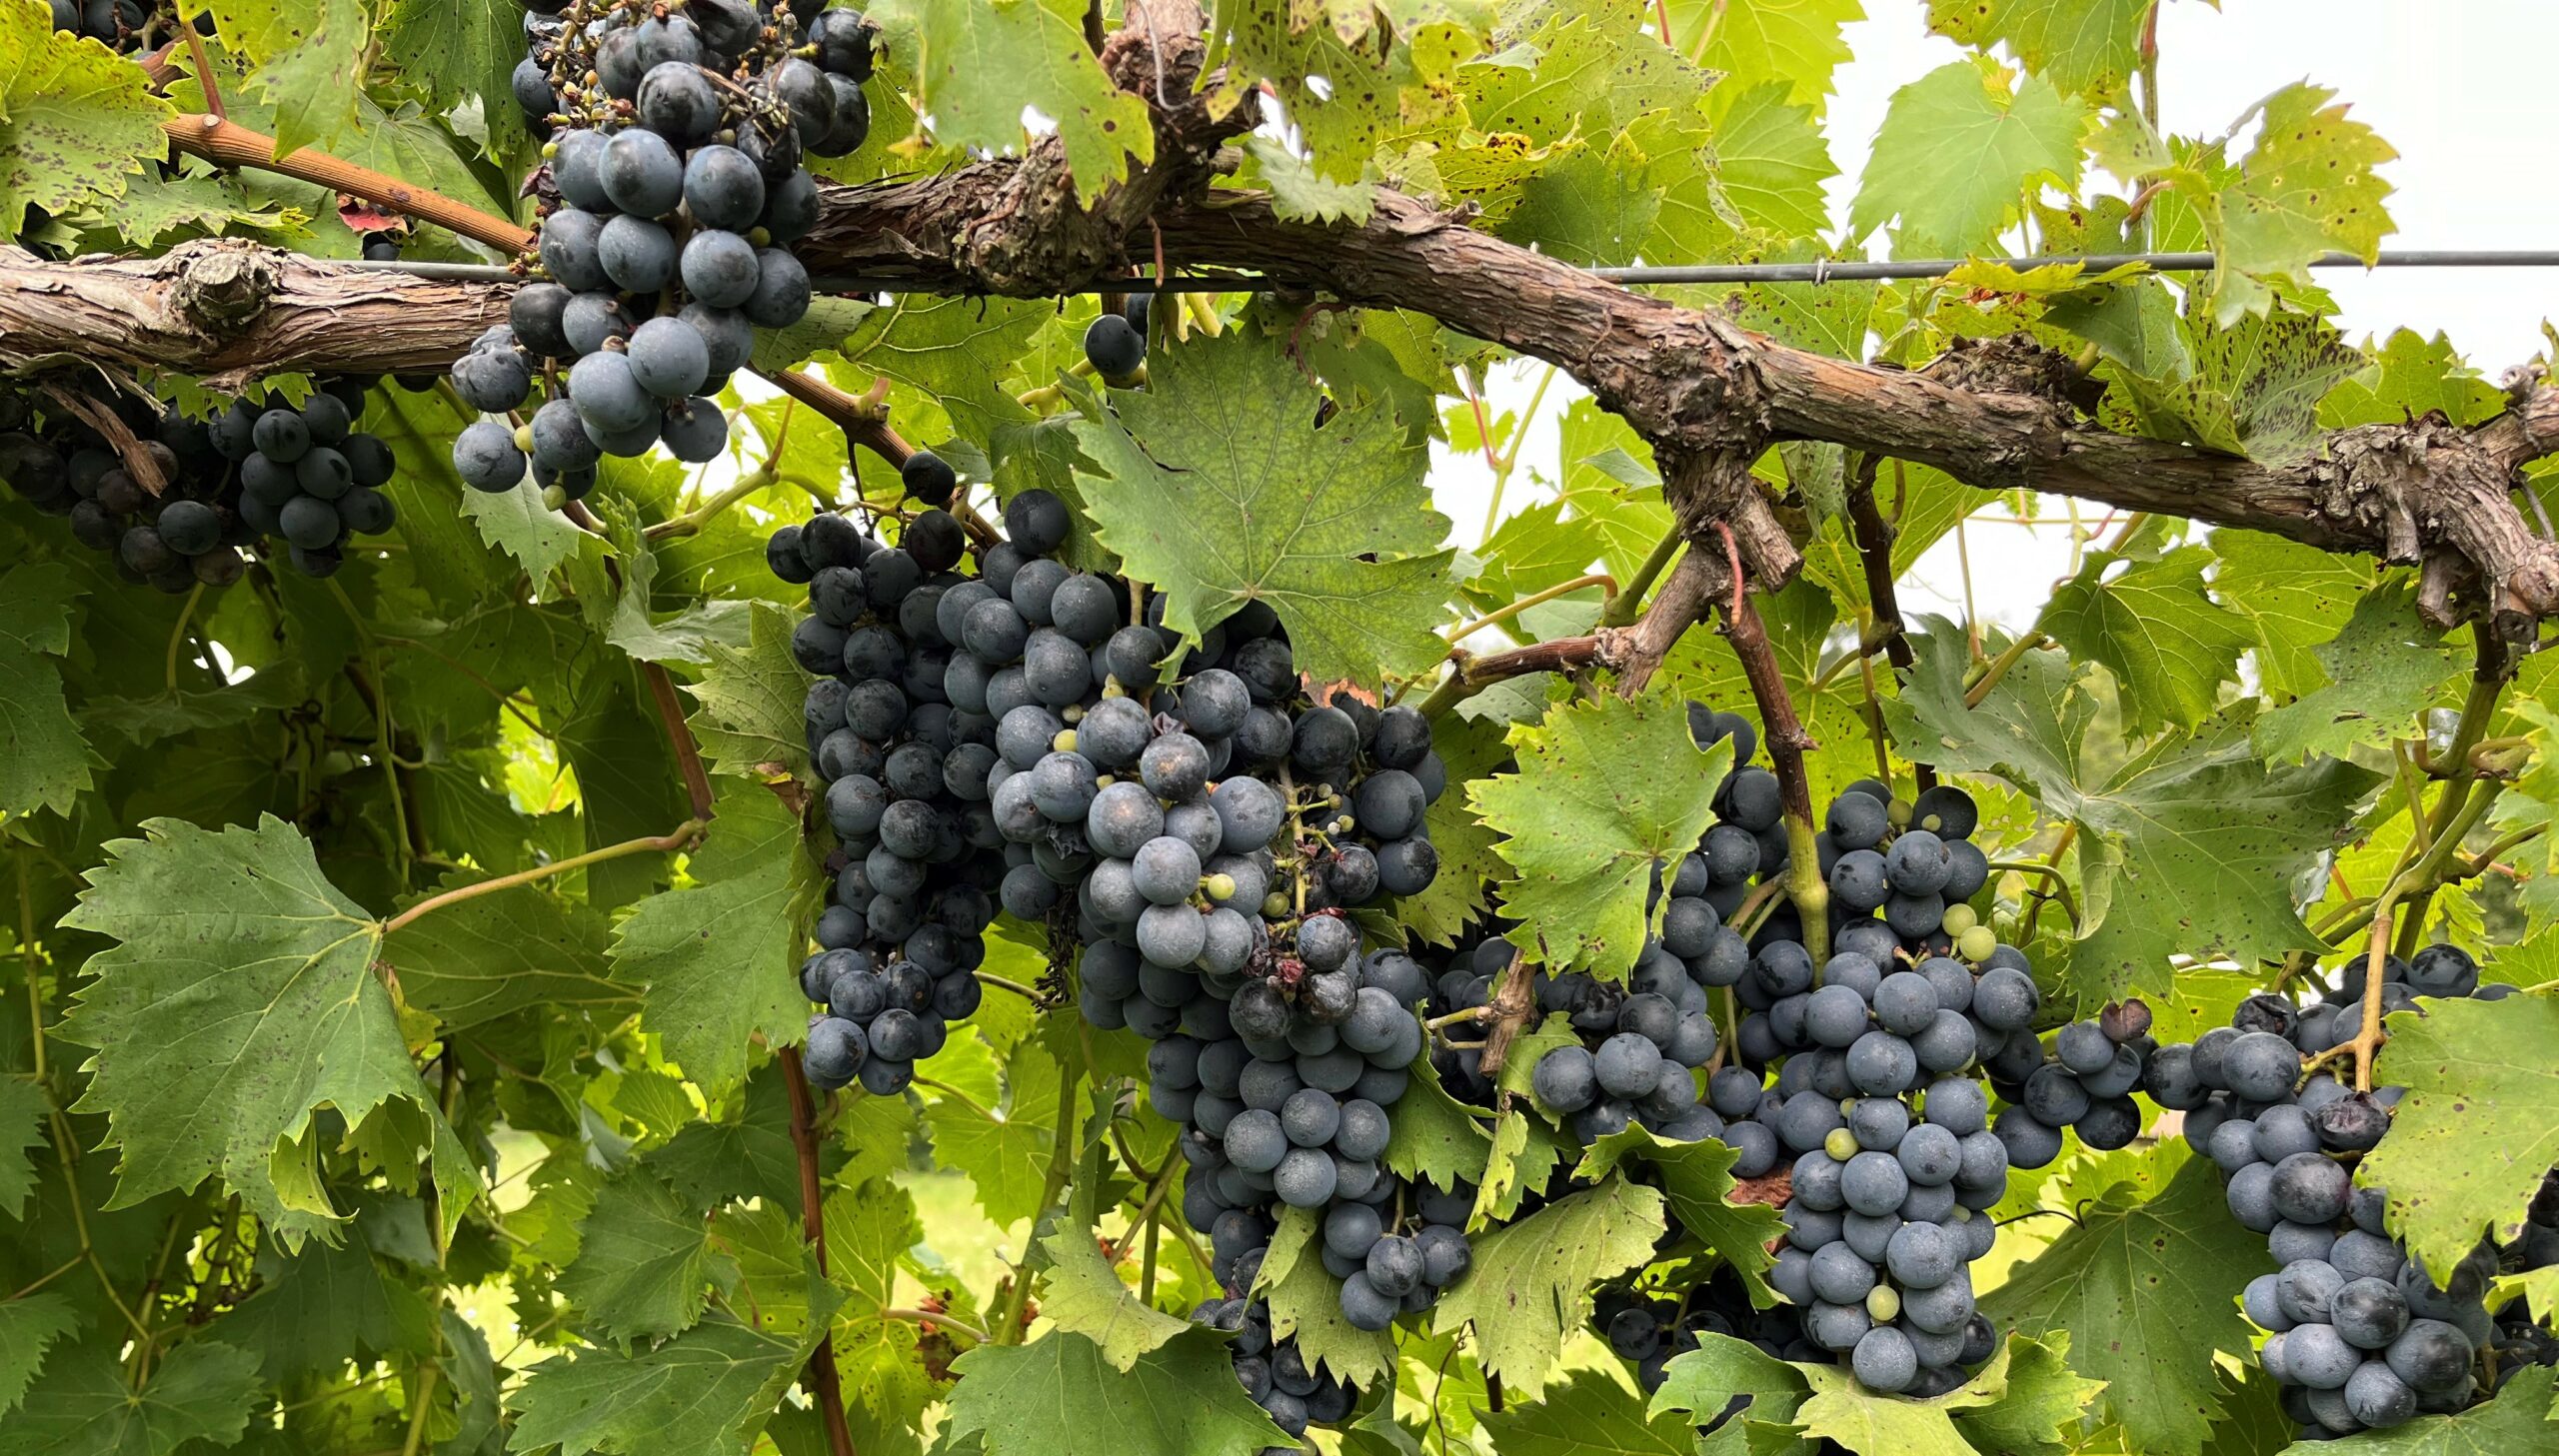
(1501, 615)
(1007, 1327)
(1626, 601)
(204, 68)
(228, 144)
(1874, 537)
(2060, 884)
(1998, 666)
(681, 837)
(824, 1387)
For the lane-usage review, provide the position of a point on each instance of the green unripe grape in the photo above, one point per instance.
(1219, 887)
(1073, 712)
(524, 442)
(1897, 813)
(1064, 741)
(1977, 944)
(554, 497)
(1959, 918)
(1274, 905)
(1883, 1303)
(1111, 689)
(1842, 1145)
(1960, 1214)
(1102, 781)
(1342, 826)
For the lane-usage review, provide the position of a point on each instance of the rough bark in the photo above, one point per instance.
(230, 311)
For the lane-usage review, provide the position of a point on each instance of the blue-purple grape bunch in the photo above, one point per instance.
(2359, 1335)
(1861, 1076)
(293, 483)
(901, 769)
(676, 143)
(127, 26)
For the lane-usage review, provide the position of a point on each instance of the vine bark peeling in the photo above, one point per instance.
(1708, 394)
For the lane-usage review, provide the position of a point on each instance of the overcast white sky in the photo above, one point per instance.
(2460, 88)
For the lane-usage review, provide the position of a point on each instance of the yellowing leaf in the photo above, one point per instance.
(2478, 1129)
(2085, 47)
(980, 64)
(76, 119)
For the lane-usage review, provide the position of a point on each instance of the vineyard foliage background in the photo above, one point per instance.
(288, 1166)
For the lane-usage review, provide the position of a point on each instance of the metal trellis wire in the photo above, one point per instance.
(1824, 271)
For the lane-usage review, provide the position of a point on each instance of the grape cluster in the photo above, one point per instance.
(904, 771)
(1275, 1372)
(2360, 1337)
(2085, 1084)
(129, 26)
(1877, 1096)
(263, 468)
(676, 160)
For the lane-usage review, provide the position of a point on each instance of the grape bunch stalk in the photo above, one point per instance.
(2359, 1334)
(264, 467)
(675, 150)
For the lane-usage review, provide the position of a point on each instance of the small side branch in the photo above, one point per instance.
(823, 1385)
(229, 143)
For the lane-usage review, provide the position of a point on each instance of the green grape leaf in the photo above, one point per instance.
(643, 1260)
(869, 1229)
(2086, 47)
(2041, 1408)
(2295, 598)
(1770, 160)
(1217, 484)
(44, 762)
(1697, 1179)
(1058, 1396)
(1589, 1414)
(311, 56)
(1306, 1301)
(2020, 1404)
(517, 522)
(2517, 1420)
(1300, 194)
(2479, 1127)
(477, 960)
(1525, 1153)
(145, 721)
(1704, 1380)
(2170, 646)
(707, 1389)
(1083, 1292)
(1433, 1137)
(2383, 668)
(2412, 377)
(1606, 792)
(76, 119)
(2188, 847)
(749, 721)
(242, 992)
(1530, 1283)
(1004, 1151)
(1798, 42)
(1469, 748)
(153, 207)
(1960, 148)
(457, 52)
(718, 962)
(21, 1131)
(201, 1391)
(978, 67)
(29, 1325)
(321, 1308)
(2146, 1290)
(749, 1155)
(2253, 387)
